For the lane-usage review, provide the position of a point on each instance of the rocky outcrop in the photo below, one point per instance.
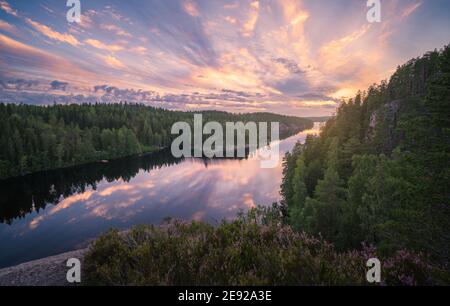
(49, 271)
(388, 113)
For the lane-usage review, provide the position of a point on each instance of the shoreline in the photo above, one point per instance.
(286, 133)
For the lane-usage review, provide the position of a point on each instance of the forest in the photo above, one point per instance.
(379, 173)
(36, 138)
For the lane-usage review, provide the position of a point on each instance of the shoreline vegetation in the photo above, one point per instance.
(257, 248)
(40, 138)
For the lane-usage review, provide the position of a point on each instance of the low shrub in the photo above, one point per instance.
(255, 249)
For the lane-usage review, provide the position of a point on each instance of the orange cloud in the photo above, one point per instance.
(112, 61)
(140, 50)
(100, 45)
(113, 28)
(47, 31)
(249, 26)
(191, 8)
(66, 203)
(7, 27)
(231, 20)
(338, 45)
(110, 190)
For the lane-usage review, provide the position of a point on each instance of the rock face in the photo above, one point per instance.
(388, 114)
(49, 271)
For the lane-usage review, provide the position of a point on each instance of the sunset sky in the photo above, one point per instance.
(285, 56)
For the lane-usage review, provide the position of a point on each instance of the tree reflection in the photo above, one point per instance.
(20, 196)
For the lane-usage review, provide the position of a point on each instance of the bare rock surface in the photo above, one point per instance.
(49, 271)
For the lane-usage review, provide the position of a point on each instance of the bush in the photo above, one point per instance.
(254, 249)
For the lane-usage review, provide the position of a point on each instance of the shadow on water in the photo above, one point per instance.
(33, 192)
(23, 195)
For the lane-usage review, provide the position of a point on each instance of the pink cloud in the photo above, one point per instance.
(7, 8)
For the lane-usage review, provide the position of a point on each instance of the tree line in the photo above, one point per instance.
(379, 171)
(36, 138)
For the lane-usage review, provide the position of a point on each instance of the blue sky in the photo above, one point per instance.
(285, 56)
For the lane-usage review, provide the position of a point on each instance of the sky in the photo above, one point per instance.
(294, 57)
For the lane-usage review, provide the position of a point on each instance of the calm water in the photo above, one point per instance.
(58, 211)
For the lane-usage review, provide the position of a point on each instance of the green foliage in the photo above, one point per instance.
(299, 195)
(379, 171)
(36, 138)
(254, 249)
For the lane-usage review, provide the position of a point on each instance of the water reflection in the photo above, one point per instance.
(21, 196)
(57, 211)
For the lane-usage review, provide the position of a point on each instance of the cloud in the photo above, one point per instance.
(112, 94)
(338, 45)
(227, 55)
(7, 8)
(237, 93)
(230, 6)
(100, 45)
(191, 8)
(25, 54)
(18, 84)
(7, 27)
(316, 97)
(87, 19)
(42, 63)
(114, 13)
(57, 85)
(231, 20)
(116, 29)
(410, 9)
(290, 65)
(132, 95)
(100, 88)
(112, 61)
(50, 33)
(44, 98)
(139, 50)
(249, 26)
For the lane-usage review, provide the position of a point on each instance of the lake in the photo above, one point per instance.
(57, 211)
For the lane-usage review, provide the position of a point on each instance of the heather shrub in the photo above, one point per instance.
(255, 249)
(406, 268)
